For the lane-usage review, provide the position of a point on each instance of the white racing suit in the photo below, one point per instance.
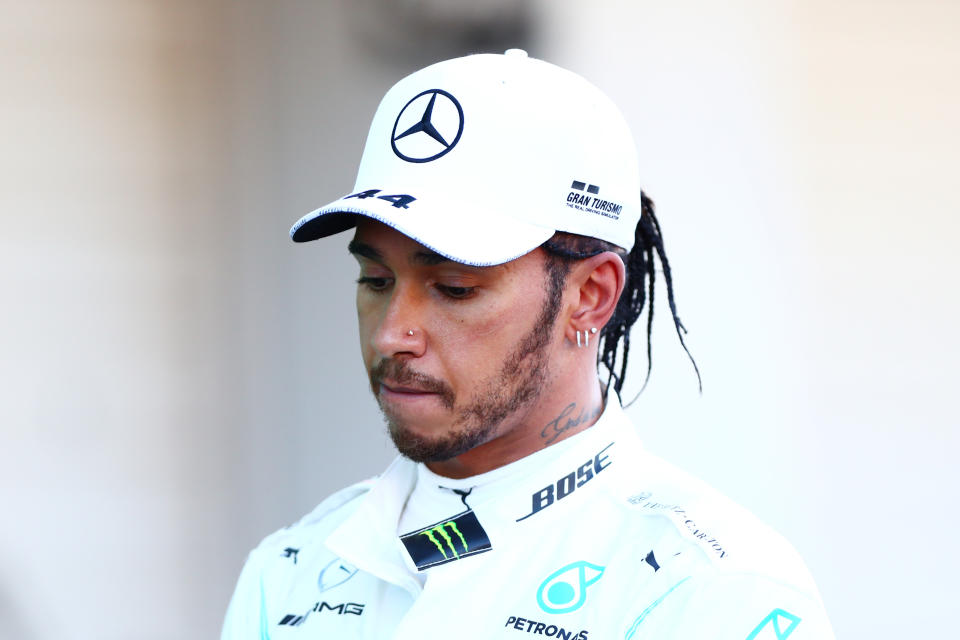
(592, 538)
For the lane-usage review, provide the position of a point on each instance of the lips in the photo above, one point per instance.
(394, 387)
(402, 397)
(394, 381)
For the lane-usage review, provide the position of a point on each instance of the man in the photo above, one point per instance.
(505, 248)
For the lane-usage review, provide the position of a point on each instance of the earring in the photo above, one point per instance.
(585, 341)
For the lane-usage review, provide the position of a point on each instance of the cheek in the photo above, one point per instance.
(474, 345)
(475, 323)
(367, 314)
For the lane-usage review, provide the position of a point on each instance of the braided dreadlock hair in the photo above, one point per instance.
(563, 249)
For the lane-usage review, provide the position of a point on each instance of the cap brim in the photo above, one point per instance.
(461, 232)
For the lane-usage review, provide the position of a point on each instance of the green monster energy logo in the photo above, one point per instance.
(439, 530)
(455, 538)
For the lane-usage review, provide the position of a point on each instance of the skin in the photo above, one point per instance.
(481, 377)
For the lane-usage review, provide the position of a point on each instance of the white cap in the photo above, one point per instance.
(482, 158)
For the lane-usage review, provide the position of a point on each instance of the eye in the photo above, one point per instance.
(373, 284)
(457, 293)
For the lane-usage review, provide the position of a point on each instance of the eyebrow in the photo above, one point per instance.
(429, 258)
(358, 248)
(426, 258)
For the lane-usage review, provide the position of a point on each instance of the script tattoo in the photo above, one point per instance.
(563, 422)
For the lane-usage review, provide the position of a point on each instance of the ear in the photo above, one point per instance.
(598, 282)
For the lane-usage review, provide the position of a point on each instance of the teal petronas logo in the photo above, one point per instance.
(448, 542)
(565, 589)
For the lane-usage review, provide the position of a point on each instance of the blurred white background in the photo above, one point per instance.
(178, 379)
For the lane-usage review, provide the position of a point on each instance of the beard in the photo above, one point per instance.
(518, 384)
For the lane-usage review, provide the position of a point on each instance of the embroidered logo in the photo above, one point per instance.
(776, 626)
(428, 127)
(586, 197)
(565, 589)
(446, 541)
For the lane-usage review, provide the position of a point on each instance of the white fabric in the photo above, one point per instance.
(434, 498)
(638, 550)
(528, 149)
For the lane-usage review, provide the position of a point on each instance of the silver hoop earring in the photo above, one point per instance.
(579, 344)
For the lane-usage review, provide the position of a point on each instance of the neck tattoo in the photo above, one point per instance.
(564, 422)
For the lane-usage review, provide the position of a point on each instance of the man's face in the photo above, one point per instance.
(479, 353)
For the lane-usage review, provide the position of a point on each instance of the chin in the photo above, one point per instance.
(439, 448)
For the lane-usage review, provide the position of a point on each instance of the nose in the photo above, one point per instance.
(400, 330)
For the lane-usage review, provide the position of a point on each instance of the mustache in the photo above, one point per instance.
(400, 372)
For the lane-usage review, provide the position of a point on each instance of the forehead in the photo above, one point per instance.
(376, 241)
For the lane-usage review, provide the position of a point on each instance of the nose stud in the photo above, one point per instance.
(410, 333)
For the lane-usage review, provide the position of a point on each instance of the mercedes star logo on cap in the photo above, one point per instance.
(428, 127)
